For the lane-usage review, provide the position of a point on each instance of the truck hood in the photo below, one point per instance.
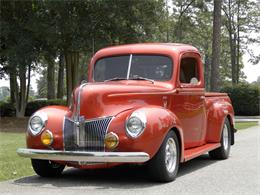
(111, 98)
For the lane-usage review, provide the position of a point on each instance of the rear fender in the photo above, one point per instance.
(217, 113)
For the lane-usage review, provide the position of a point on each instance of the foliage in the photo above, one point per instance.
(7, 109)
(245, 98)
(36, 105)
(191, 23)
(19, 48)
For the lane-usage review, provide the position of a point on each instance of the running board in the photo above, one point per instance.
(195, 152)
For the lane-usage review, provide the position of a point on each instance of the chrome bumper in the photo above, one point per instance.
(79, 156)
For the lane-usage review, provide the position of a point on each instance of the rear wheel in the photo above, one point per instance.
(47, 168)
(223, 151)
(164, 165)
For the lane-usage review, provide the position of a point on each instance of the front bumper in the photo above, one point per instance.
(79, 156)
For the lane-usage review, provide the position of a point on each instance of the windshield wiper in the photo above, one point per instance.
(142, 78)
(115, 79)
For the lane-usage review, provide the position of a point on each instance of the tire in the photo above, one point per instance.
(164, 168)
(46, 168)
(223, 151)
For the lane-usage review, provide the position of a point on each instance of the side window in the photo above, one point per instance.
(189, 71)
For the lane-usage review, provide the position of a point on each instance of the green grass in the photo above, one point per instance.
(11, 165)
(245, 125)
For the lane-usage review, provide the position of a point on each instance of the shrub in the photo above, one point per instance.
(245, 99)
(7, 109)
(36, 105)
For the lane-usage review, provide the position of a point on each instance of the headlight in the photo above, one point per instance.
(136, 124)
(37, 122)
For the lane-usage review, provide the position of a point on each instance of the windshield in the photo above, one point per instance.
(154, 67)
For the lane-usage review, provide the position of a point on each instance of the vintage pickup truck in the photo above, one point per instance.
(143, 104)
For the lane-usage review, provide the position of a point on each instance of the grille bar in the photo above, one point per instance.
(91, 134)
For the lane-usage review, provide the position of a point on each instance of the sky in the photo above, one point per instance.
(250, 70)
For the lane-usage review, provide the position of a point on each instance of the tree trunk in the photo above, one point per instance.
(28, 83)
(232, 44)
(60, 77)
(233, 58)
(72, 66)
(207, 70)
(167, 21)
(238, 41)
(20, 93)
(50, 79)
(13, 85)
(216, 43)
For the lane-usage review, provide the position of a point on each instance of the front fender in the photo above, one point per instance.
(54, 124)
(159, 122)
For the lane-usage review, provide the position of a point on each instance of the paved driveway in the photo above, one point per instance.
(240, 174)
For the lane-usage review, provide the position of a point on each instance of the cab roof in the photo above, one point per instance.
(147, 48)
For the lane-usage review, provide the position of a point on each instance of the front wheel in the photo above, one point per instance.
(164, 165)
(223, 151)
(47, 168)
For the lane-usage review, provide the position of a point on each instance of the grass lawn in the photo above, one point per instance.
(11, 165)
(244, 125)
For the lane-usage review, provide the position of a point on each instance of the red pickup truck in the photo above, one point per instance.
(143, 104)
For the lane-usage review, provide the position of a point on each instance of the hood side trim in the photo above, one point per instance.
(143, 93)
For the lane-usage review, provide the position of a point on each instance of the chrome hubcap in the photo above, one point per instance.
(171, 155)
(225, 137)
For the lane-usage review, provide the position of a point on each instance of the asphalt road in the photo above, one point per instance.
(240, 174)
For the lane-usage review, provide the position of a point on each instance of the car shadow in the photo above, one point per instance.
(120, 177)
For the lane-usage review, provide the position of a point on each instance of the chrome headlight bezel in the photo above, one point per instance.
(42, 118)
(138, 117)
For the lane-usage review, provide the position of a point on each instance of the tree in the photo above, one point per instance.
(18, 49)
(77, 26)
(216, 44)
(240, 21)
(180, 10)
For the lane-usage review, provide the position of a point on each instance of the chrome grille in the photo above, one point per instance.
(88, 136)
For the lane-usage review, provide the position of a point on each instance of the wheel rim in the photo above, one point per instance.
(225, 137)
(170, 155)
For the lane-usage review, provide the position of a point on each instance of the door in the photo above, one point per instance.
(189, 101)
